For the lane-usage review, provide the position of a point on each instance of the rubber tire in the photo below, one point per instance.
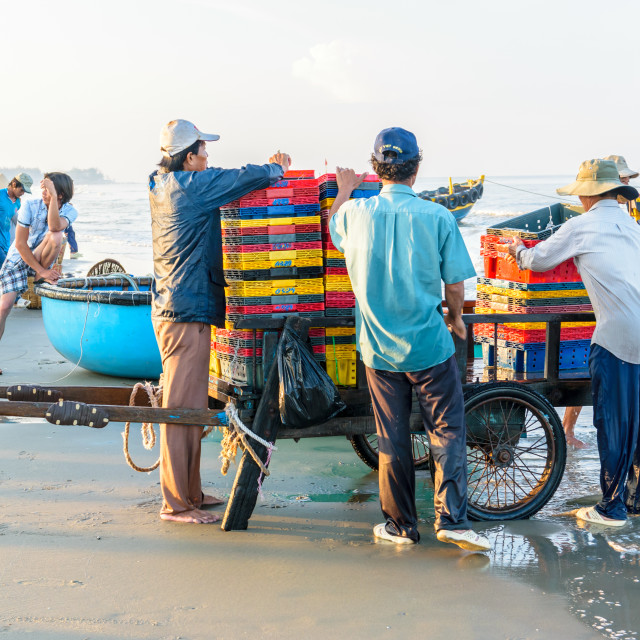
(488, 390)
(369, 456)
(480, 189)
(441, 201)
(452, 201)
(463, 199)
(473, 195)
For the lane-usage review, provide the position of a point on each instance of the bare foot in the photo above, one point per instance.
(194, 516)
(572, 441)
(210, 501)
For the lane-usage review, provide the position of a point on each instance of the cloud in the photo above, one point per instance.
(339, 69)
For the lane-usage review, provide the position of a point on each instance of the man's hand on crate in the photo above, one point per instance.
(347, 180)
(283, 159)
(511, 248)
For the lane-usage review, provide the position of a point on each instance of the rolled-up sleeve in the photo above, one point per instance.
(25, 215)
(561, 246)
(455, 262)
(338, 227)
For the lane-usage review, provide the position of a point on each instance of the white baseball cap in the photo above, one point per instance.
(178, 135)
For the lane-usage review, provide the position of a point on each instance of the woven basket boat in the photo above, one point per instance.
(103, 323)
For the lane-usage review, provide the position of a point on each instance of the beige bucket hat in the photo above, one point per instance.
(596, 177)
(623, 167)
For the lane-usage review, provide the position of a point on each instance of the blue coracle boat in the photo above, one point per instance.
(103, 323)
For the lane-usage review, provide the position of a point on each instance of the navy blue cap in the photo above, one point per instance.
(401, 141)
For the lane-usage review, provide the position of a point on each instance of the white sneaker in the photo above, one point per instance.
(590, 514)
(468, 539)
(380, 531)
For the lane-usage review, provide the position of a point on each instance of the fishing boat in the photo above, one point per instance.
(103, 324)
(458, 197)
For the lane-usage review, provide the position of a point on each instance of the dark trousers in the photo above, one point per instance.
(439, 393)
(615, 386)
(71, 239)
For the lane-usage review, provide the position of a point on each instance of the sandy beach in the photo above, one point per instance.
(84, 554)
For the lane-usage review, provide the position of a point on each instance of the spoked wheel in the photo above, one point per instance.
(367, 449)
(516, 451)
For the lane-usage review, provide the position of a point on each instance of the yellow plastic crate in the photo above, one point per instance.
(332, 254)
(293, 258)
(326, 203)
(337, 283)
(214, 366)
(528, 295)
(275, 287)
(340, 331)
(340, 351)
(342, 371)
(268, 222)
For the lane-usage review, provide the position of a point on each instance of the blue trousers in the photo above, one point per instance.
(71, 239)
(439, 393)
(615, 387)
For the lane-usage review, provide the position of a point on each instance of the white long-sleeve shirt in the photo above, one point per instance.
(605, 246)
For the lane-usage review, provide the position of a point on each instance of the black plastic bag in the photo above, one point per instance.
(307, 394)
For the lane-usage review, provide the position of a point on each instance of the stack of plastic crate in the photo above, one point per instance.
(340, 300)
(272, 260)
(507, 289)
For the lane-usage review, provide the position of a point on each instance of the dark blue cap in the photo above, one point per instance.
(401, 141)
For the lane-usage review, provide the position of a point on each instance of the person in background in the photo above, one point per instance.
(188, 295)
(9, 207)
(626, 174)
(399, 249)
(604, 243)
(73, 245)
(571, 414)
(41, 224)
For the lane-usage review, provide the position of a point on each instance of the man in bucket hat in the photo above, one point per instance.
(9, 207)
(604, 243)
(399, 249)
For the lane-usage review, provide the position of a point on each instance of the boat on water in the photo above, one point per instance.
(458, 197)
(103, 324)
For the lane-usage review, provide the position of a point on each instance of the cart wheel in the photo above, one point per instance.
(367, 449)
(516, 451)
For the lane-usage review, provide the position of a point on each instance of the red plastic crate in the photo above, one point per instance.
(339, 299)
(295, 174)
(287, 183)
(276, 308)
(336, 271)
(331, 177)
(247, 352)
(502, 269)
(274, 246)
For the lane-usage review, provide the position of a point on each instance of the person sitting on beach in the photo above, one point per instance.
(41, 224)
(188, 295)
(604, 243)
(399, 249)
(9, 207)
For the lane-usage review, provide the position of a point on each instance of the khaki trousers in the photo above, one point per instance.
(184, 348)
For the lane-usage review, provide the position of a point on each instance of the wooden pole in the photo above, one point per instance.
(266, 423)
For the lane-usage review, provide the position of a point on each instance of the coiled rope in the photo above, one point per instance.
(148, 432)
(237, 433)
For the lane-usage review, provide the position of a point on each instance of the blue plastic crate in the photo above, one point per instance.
(532, 360)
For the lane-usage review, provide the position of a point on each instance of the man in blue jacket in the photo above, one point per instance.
(188, 294)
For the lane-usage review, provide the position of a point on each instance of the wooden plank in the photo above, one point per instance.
(118, 413)
(101, 395)
(552, 351)
(244, 492)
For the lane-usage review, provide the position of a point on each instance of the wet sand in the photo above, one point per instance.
(84, 554)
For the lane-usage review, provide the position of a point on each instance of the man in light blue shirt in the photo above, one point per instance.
(9, 207)
(398, 250)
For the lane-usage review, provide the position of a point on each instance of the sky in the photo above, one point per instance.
(495, 87)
